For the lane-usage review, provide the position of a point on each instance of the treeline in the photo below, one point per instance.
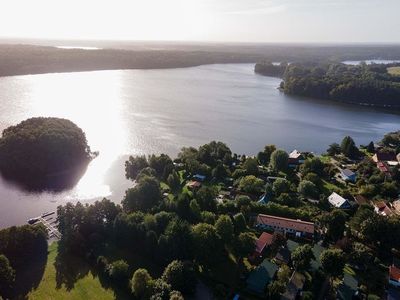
(270, 69)
(361, 84)
(20, 248)
(26, 59)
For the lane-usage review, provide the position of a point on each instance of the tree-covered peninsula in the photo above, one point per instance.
(43, 152)
(373, 85)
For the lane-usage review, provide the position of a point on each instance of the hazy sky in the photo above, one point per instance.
(204, 20)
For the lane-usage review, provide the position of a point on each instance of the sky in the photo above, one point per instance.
(314, 21)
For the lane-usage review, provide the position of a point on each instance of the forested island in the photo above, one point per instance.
(372, 85)
(212, 223)
(44, 153)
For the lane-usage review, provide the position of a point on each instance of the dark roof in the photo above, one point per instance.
(348, 288)
(385, 156)
(261, 276)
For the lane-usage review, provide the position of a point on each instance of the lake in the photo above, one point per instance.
(153, 111)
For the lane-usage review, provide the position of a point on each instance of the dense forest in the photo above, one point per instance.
(43, 152)
(359, 84)
(27, 59)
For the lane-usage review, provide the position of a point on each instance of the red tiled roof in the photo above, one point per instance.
(394, 273)
(382, 166)
(297, 225)
(264, 240)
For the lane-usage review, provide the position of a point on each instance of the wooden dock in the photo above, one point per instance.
(51, 226)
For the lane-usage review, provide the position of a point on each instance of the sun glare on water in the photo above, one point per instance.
(92, 101)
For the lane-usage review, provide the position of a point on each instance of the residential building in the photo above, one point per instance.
(295, 158)
(199, 177)
(348, 175)
(298, 228)
(193, 184)
(384, 156)
(338, 201)
(383, 167)
(382, 209)
(394, 275)
(294, 287)
(260, 277)
(263, 242)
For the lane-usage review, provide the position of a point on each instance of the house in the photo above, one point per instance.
(348, 175)
(260, 277)
(199, 177)
(382, 209)
(396, 207)
(398, 157)
(298, 228)
(193, 184)
(295, 158)
(263, 242)
(394, 275)
(383, 156)
(360, 200)
(338, 201)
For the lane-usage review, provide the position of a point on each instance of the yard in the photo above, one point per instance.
(86, 287)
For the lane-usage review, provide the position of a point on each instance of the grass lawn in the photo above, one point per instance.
(394, 71)
(87, 287)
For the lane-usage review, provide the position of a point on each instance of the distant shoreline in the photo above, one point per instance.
(20, 59)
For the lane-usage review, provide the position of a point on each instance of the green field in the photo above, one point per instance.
(394, 71)
(87, 287)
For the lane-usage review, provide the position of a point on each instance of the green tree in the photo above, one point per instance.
(174, 181)
(348, 147)
(145, 195)
(206, 234)
(265, 156)
(313, 165)
(160, 290)
(224, 227)
(119, 271)
(332, 261)
(279, 160)
(141, 283)
(281, 185)
(334, 149)
(251, 184)
(239, 222)
(245, 244)
(371, 147)
(134, 165)
(335, 223)
(302, 256)
(7, 275)
(219, 172)
(251, 166)
(181, 276)
(307, 189)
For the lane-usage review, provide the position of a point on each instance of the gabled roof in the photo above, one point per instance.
(261, 276)
(297, 225)
(295, 154)
(336, 200)
(347, 172)
(396, 206)
(382, 167)
(382, 208)
(263, 241)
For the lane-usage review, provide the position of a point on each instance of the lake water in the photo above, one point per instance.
(153, 111)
